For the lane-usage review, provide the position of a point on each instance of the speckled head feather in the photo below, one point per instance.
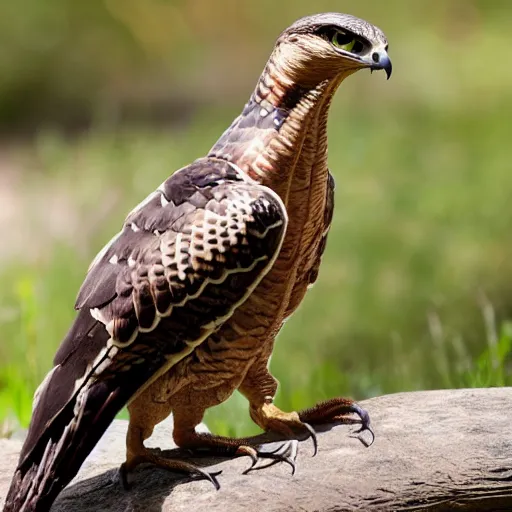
(359, 27)
(310, 51)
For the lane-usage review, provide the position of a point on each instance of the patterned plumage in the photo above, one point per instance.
(183, 305)
(186, 257)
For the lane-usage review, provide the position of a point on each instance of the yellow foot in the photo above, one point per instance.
(289, 424)
(175, 465)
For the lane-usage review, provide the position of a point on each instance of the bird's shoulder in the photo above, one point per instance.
(161, 213)
(207, 220)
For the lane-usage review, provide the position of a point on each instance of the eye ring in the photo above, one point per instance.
(343, 41)
(346, 42)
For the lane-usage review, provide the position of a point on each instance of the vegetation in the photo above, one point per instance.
(414, 291)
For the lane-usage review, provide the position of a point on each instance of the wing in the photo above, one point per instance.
(328, 214)
(185, 259)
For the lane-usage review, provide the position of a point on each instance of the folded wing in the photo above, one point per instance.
(186, 258)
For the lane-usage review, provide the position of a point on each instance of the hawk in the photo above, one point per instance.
(182, 307)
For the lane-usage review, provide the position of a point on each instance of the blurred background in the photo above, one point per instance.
(101, 100)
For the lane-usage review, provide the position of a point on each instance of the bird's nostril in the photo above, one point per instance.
(376, 57)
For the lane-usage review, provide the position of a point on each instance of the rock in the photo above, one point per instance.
(434, 450)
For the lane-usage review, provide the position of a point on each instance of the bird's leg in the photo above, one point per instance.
(185, 436)
(137, 454)
(260, 386)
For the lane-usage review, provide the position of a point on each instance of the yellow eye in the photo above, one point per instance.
(343, 41)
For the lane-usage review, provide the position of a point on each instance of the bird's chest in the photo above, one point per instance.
(224, 359)
(310, 216)
(249, 334)
(282, 289)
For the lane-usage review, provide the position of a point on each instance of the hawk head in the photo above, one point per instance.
(331, 45)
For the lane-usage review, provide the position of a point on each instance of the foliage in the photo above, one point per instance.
(493, 367)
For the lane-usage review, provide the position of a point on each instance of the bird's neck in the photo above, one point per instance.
(280, 139)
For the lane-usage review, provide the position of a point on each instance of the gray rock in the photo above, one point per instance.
(434, 450)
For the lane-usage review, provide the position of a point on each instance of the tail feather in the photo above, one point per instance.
(69, 438)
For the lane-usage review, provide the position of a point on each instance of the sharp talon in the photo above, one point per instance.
(362, 439)
(365, 417)
(253, 454)
(279, 448)
(313, 436)
(251, 467)
(271, 463)
(365, 425)
(287, 452)
(212, 477)
(288, 460)
(254, 459)
(248, 470)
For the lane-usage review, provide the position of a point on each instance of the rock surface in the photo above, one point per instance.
(434, 450)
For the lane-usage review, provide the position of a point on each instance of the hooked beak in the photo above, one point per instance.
(380, 60)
